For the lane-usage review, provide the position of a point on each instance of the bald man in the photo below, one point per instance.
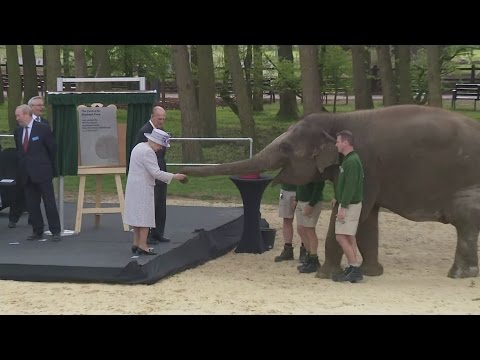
(157, 121)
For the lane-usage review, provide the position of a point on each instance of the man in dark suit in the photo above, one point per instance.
(38, 106)
(36, 149)
(18, 206)
(157, 121)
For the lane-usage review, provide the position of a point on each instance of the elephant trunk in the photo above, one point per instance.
(268, 159)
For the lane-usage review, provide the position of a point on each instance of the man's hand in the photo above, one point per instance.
(341, 214)
(307, 210)
(294, 204)
(333, 202)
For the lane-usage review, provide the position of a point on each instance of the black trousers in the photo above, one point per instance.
(34, 192)
(160, 191)
(18, 205)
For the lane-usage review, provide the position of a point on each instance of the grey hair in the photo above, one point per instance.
(30, 102)
(25, 109)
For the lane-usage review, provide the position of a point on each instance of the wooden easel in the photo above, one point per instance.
(83, 171)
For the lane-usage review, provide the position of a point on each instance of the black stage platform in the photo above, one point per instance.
(103, 254)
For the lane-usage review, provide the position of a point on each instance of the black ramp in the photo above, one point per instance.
(103, 254)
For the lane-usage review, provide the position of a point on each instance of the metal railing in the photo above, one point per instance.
(6, 136)
(211, 139)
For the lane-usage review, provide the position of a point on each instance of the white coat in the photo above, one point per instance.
(139, 193)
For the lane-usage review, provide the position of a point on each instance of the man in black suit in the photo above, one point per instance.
(36, 149)
(18, 206)
(157, 121)
(38, 106)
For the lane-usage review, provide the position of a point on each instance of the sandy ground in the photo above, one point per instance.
(416, 258)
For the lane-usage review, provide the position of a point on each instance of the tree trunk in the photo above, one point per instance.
(191, 150)
(194, 68)
(127, 60)
(396, 56)
(404, 79)
(67, 65)
(288, 99)
(312, 97)
(361, 85)
(101, 66)
(257, 78)
(247, 64)
(225, 89)
(128, 64)
(54, 69)
(386, 75)
(30, 81)
(81, 66)
(44, 68)
(433, 76)
(14, 84)
(247, 123)
(2, 97)
(206, 88)
(321, 64)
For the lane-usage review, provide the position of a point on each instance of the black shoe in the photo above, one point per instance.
(12, 224)
(150, 251)
(344, 273)
(56, 237)
(287, 254)
(303, 255)
(311, 266)
(351, 273)
(164, 239)
(134, 249)
(305, 263)
(35, 237)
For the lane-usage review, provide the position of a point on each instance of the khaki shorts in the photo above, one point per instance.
(352, 215)
(308, 221)
(285, 201)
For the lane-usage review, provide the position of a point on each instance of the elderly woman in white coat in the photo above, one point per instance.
(139, 193)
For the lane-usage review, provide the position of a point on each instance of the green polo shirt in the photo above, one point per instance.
(349, 187)
(288, 187)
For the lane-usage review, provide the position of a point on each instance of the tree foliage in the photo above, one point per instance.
(448, 66)
(337, 67)
(154, 61)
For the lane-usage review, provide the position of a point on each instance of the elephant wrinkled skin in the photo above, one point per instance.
(422, 163)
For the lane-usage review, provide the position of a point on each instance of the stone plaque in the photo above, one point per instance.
(98, 136)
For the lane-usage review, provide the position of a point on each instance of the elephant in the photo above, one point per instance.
(422, 163)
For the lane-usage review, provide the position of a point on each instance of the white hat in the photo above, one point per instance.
(159, 137)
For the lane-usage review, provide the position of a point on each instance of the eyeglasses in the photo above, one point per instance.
(38, 105)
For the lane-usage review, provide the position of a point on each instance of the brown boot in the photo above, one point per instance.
(287, 254)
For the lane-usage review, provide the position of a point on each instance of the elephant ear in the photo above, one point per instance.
(326, 155)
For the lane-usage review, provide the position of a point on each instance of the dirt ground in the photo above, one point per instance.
(416, 258)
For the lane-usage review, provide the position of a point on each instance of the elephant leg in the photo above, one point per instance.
(367, 242)
(466, 255)
(333, 251)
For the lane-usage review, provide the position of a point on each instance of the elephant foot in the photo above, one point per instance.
(372, 269)
(457, 272)
(327, 271)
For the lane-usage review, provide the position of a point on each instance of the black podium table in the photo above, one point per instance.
(251, 191)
